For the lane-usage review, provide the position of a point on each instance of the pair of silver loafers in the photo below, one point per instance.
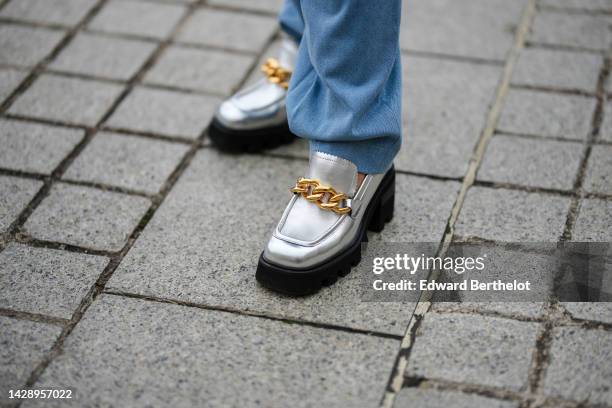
(319, 236)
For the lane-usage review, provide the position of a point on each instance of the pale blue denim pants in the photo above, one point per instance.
(345, 93)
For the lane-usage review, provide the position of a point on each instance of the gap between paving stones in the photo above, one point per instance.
(241, 10)
(563, 91)
(588, 146)
(33, 317)
(575, 11)
(450, 57)
(396, 379)
(562, 318)
(523, 399)
(536, 136)
(103, 127)
(254, 314)
(92, 184)
(559, 47)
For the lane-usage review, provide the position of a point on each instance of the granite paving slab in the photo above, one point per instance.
(26, 46)
(448, 107)
(594, 221)
(169, 113)
(474, 349)
(72, 100)
(34, 147)
(61, 12)
(86, 216)
(9, 80)
(138, 18)
(15, 194)
(512, 216)
(547, 114)
(194, 69)
(556, 69)
(588, 353)
(229, 30)
(131, 162)
(24, 345)
(486, 29)
(214, 358)
(531, 162)
(46, 281)
(114, 58)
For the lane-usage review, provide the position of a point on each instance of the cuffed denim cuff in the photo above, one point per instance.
(371, 156)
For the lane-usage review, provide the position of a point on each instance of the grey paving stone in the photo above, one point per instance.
(474, 349)
(273, 6)
(238, 31)
(33, 147)
(268, 363)
(599, 312)
(432, 398)
(599, 170)
(579, 4)
(547, 114)
(140, 18)
(557, 69)
(594, 222)
(46, 281)
(71, 100)
(512, 216)
(422, 208)
(574, 30)
(588, 353)
(26, 46)
(127, 161)
(24, 345)
(445, 112)
(87, 217)
(103, 56)
(169, 113)
(15, 194)
(199, 250)
(486, 28)
(605, 133)
(199, 70)
(531, 162)
(9, 80)
(63, 12)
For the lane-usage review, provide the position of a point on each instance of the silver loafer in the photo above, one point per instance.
(319, 235)
(255, 118)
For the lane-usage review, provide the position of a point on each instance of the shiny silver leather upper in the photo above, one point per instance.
(262, 104)
(308, 235)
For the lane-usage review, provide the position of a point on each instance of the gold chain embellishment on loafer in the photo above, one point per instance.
(275, 73)
(313, 191)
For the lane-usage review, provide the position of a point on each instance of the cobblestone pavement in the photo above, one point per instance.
(129, 245)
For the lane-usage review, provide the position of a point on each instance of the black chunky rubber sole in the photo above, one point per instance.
(238, 141)
(299, 282)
